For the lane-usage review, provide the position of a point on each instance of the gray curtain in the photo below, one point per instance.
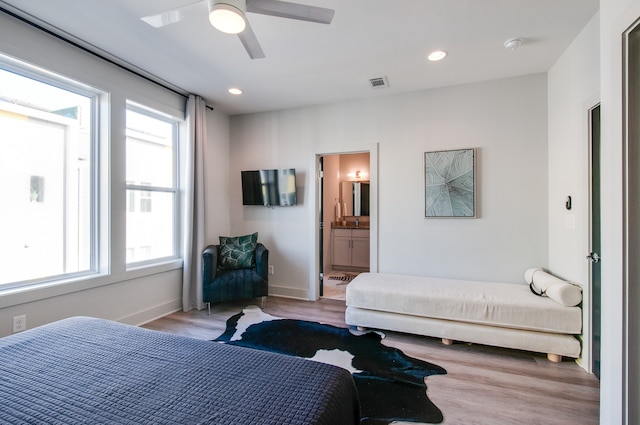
(193, 201)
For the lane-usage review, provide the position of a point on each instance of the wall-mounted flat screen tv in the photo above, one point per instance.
(269, 187)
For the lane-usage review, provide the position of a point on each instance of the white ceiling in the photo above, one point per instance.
(308, 63)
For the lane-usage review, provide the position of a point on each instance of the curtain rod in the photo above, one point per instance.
(120, 63)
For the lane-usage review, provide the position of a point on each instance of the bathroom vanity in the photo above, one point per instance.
(350, 246)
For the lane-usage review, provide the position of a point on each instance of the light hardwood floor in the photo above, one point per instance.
(483, 385)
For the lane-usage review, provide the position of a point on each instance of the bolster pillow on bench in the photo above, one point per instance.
(559, 290)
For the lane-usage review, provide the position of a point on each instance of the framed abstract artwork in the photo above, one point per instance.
(450, 187)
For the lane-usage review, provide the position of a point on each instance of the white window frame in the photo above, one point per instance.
(96, 97)
(174, 190)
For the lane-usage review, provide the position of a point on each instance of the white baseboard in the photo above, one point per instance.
(145, 316)
(282, 291)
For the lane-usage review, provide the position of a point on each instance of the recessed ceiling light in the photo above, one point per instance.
(235, 90)
(437, 55)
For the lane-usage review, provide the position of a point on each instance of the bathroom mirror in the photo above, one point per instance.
(355, 198)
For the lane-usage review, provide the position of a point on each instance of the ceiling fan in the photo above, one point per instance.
(229, 16)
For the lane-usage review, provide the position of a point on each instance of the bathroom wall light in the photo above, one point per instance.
(358, 175)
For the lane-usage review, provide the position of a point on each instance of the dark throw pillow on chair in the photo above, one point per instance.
(238, 252)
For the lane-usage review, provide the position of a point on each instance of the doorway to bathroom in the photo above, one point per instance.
(345, 221)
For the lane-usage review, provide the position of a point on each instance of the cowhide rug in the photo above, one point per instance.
(391, 385)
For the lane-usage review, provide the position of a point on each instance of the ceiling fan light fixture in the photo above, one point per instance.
(227, 18)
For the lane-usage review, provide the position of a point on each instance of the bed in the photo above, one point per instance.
(94, 371)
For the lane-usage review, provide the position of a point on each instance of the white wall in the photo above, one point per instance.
(574, 88)
(263, 142)
(504, 119)
(217, 177)
(130, 296)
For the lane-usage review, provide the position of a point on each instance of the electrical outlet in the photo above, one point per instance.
(271, 270)
(19, 323)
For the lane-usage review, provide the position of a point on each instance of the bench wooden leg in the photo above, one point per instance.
(556, 358)
(447, 341)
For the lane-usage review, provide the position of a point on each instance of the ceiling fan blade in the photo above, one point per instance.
(250, 43)
(289, 10)
(176, 15)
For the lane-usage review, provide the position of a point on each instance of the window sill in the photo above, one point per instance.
(43, 290)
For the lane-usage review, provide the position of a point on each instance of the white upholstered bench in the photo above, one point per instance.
(498, 314)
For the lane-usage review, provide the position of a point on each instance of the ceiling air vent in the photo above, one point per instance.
(379, 82)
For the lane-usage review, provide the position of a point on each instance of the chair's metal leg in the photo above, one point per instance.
(208, 309)
(264, 302)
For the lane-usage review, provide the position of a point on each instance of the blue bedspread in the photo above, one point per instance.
(93, 371)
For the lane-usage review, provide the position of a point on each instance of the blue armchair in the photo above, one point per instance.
(220, 285)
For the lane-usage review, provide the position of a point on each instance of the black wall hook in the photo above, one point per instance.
(568, 203)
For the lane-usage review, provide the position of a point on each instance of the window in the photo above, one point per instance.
(145, 201)
(47, 175)
(152, 195)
